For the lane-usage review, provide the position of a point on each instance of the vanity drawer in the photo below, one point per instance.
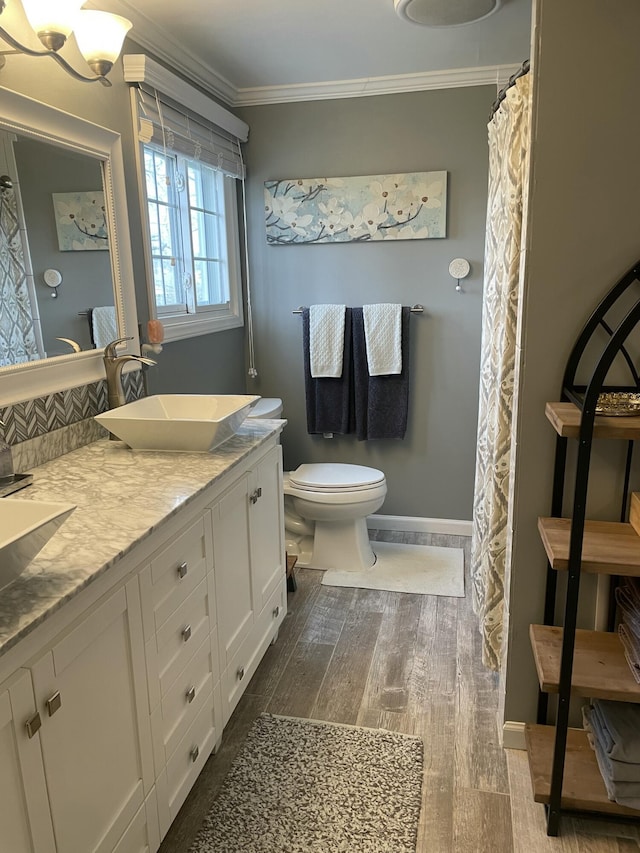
(183, 632)
(190, 755)
(187, 695)
(177, 571)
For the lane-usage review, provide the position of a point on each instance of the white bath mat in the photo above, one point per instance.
(423, 569)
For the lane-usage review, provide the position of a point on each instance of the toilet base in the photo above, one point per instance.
(342, 545)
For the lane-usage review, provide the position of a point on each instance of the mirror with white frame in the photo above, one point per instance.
(60, 226)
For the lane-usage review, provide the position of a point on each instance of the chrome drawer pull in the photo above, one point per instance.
(276, 611)
(54, 703)
(191, 694)
(182, 570)
(33, 724)
(186, 633)
(195, 752)
(240, 673)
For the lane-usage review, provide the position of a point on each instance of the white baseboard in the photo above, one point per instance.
(414, 524)
(513, 735)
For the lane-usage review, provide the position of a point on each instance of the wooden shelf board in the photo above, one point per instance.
(600, 669)
(608, 547)
(565, 419)
(583, 788)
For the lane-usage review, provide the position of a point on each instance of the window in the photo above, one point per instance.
(188, 227)
(189, 164)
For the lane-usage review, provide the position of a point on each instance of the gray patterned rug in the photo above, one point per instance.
(302, 786)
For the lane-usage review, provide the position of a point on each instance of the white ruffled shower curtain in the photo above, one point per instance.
(509, 140)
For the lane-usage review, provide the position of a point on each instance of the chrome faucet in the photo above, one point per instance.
(113, 364)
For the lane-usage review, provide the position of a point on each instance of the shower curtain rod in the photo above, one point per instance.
(524, 69)
(415, 309)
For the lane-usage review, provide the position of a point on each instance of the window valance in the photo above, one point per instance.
(174, 115)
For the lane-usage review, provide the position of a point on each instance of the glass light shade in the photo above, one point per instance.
(100, 36)
(47, 16)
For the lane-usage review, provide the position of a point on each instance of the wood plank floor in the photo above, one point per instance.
(407, 663)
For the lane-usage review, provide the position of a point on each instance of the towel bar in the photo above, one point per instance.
(415, 309)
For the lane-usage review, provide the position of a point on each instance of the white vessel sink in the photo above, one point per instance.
(188, 422)
(25, 528)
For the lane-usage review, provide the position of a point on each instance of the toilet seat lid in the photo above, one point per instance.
(335, 477)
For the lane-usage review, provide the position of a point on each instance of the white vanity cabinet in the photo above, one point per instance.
(25, 820)
(109, 711)
(75, 740)
(212, 601)
(249, 565)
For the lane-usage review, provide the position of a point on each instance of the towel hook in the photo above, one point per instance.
(459, 268)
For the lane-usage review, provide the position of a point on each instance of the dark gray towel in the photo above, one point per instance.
(616, 771)
(616, 726)
(329, 401)
(381, 402)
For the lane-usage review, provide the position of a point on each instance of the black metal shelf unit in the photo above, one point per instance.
(585, 397)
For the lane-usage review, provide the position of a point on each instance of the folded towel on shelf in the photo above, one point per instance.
(326, 340)
(616, 727)
(104, 328)
(624, 793)
(616, 771)
(631, 646)
(381, 402)
(328, 400)
(628, 599)
(383, 338)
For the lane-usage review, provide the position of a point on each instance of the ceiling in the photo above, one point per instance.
(254, 51)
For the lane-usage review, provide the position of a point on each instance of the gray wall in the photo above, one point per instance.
(86, 276)
(582, 235)
(431, 472)
(210, 364)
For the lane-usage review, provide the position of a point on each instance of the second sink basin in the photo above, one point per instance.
(25, 528)
(187, 422)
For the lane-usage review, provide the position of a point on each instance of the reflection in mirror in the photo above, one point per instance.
(53, 222)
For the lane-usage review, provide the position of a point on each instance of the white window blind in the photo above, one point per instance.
(174, 128)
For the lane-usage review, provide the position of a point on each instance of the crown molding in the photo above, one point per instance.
(175, 54)
(179, 58)
(488, 75)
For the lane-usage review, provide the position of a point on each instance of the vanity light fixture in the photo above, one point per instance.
(99, 35)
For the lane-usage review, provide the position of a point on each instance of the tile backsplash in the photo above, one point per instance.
(47, 427)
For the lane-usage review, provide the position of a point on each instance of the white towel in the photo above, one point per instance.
(326, 340)
(383, 338)
(103, 325)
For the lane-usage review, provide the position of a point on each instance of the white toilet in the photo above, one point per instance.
(325, 514)
(326, 506)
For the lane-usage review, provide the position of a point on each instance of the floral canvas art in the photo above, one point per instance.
(361, 209)
(80, 221)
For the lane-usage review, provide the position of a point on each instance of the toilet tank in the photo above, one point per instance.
(266, 407)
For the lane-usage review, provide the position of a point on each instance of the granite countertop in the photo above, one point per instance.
(121, 497)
